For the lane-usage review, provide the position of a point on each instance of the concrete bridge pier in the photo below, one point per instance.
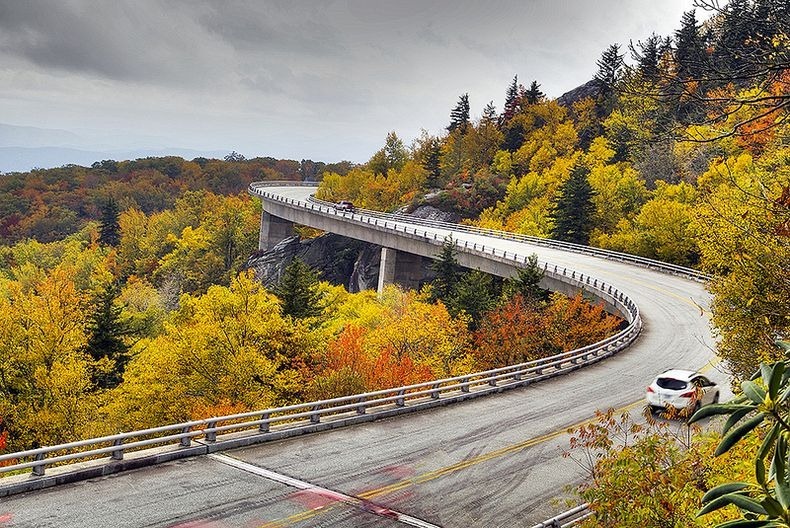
(273, 230)
(399, 267)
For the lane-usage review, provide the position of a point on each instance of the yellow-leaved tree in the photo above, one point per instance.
(46, 389)
(227, 350)
(743, 230)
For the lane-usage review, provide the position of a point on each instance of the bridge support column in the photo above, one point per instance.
(273, 230)
(401, 268)
(386, 268)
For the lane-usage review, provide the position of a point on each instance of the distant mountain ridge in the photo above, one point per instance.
(22, 159)
(23, 148)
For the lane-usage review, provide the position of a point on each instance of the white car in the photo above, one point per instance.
(344, 205)
(681, 389)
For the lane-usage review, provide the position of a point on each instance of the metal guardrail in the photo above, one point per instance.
(300, 416)
(266, 424)
(566, 519)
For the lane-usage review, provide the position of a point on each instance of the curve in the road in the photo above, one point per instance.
(675, 333)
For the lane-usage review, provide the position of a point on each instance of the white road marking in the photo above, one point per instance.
(324, 492)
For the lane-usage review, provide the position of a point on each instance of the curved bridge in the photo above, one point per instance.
(490, 462)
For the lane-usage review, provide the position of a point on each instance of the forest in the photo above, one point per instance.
(126, 302)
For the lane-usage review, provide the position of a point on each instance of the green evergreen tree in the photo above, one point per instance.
(489, 114)
(573, 208)
(427, 151)
(459, 116)
(690, 64)
(448, 273)
(432, 163)
(608, 77)
(534, 95)
(647, 57)
(511, 102)
(475, 294)
(689, 48)
(106, 336)
(298, 291)
(526, 282)
(110, 232)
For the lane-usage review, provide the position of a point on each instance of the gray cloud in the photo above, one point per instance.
(291, 76)
(114, 40)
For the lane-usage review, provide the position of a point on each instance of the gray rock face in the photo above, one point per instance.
(588, 89)
(341, 261)
(429, 212)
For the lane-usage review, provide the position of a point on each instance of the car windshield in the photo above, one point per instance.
(671, 383)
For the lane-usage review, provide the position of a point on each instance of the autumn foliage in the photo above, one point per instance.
(518, 331)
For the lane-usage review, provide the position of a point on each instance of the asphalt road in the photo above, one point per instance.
(493, 461)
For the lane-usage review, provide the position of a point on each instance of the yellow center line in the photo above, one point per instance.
(652, 286)
(448, 470)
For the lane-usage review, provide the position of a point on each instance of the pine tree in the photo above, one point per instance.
(690, 65)
(106, 337)
(647, 57)
(489, 114)
(475, 294)
(608, 76)
(432, 163)
(427, 151)
(527, 282)
(448, 272)
(689, 48)
(573, 208)
(511, 102)
(533, 95)
(298, 291)
(459, 116)
(110, 233)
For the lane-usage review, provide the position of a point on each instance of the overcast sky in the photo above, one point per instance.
(324, 80)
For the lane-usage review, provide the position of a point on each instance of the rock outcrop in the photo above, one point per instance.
(340, 260)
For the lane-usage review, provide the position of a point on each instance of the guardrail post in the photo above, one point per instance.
(361, 409)
(186, 441)
(435, 393)
(211, 436)
(465, 385)
(517, 375)
(315, 417)
(117, 454)
(492, 382)
(400, 402)
(264, 427)
(38, 470)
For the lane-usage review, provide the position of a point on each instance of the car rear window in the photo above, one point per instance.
(671, 383)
